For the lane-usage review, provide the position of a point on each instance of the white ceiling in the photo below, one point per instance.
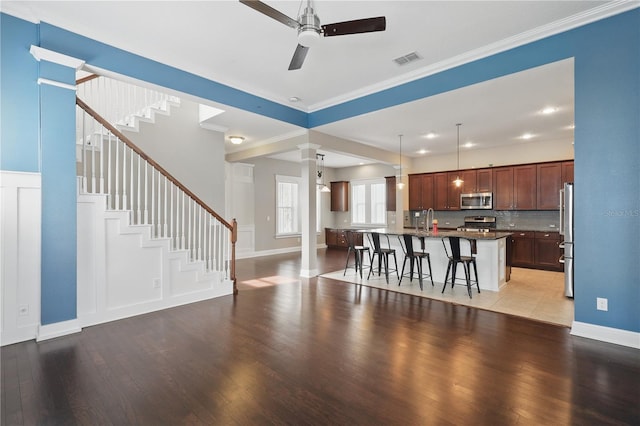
(230, 43)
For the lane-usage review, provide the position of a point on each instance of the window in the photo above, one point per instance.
(287, 205)
(368, 201)
(288, 212)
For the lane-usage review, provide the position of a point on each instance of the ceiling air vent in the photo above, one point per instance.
(409, 57)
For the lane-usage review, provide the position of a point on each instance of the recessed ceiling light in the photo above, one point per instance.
(549, 110)
(526, 136)
(422, 151)
(468, 145)
(236, 140)
(571, 127)
(431, 135)
(294, 99)
(362, 164)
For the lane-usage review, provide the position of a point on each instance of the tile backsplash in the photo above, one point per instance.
(521, 220)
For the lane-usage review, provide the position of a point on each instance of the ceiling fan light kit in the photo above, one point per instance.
(309, 28)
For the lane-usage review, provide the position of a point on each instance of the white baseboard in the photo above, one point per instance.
(606, 334)
(248, 255)
(59, 329)
(309, 273)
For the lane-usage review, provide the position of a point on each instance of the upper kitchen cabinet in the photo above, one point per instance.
(484, 180)
(446, 196)
(421, 191)
(551, 178)
(549, 183)
(480, 180)
(515, 187)
(340, 196)
(567, 171)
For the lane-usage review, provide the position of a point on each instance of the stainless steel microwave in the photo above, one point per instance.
(476, 201)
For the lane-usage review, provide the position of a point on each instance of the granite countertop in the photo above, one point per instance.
(440, 234)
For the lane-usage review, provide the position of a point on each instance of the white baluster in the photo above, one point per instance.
(153, 201)
(109, 173)
(172, 235)
(216, 255)
(131, 182)
(146, 192)
(117, 170)
(93, 158)
(166, 183)
(102, 159)
(159, 224)
(84, 152)
(189, 229)
(139, 183)
(183, 223)
(124, 177)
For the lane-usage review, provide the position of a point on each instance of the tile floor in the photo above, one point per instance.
(530, 293)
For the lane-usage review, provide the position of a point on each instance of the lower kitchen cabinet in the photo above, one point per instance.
(536, 250)
(337, 238)
(547, 251)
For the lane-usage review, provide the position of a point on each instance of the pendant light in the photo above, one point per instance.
(323, 187)
(400, 184)
(458, 182)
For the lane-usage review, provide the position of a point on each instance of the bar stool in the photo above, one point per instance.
(414, 257)
(358, 252)
(383, 255)
(455, 257)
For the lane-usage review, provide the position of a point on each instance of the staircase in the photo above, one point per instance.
(145, 242)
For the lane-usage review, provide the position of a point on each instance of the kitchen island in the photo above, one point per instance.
(490, 252)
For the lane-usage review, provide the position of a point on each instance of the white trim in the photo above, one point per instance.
(42, 54)
(56, 83)
(309, 273)
(272, 252)
(214, 127)
(59, 329)
(606, 334)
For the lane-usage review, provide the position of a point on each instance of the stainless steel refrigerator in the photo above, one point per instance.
(566, 229)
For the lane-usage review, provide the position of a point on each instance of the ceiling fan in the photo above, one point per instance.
(309, 28)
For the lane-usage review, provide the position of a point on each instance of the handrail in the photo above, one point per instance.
(232, 227)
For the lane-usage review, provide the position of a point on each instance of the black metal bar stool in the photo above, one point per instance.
(455, 257)
(358, 252)
(414, 256)
(383, 254)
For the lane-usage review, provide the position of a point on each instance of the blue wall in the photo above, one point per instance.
(607, 137)
(19, 113)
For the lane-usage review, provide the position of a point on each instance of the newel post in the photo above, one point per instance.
(234, 238)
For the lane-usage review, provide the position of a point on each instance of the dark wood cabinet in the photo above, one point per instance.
(480, 180)
(337, 238)
(524, 183)
(446, 196)
(547, 251)
(484, 180)
(522, 246)
(391, 193)
(421, 191)
(567, 171)
(514, 187)
(536, 250)
(549, 183)
(503, 188)
(340, 196)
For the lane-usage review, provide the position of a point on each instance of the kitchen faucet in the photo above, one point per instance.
(428, 222)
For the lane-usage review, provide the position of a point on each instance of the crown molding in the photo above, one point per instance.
(553, 28)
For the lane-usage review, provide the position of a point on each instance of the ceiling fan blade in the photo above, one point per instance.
(367, 25)
(271, 12)
(298, 57)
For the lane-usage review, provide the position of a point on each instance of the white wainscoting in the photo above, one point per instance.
(123, 272)
(20, 217)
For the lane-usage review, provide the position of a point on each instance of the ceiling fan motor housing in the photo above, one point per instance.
(309, 30)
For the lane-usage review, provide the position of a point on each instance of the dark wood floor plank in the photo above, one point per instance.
(315, 351)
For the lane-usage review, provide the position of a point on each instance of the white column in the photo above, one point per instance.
(308, 267)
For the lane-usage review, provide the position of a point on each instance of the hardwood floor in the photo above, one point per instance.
(317, 351)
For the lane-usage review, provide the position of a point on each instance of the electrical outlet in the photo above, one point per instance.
(602, 304)
(157, 283)
(23, 310)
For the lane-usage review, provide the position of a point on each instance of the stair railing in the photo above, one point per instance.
(110, 164)
(118, 102)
